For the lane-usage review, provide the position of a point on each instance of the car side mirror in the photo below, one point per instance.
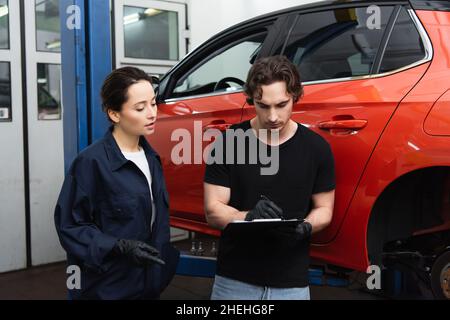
(155, 84)
(155, 80)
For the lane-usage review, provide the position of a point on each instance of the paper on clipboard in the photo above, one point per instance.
(260, 225)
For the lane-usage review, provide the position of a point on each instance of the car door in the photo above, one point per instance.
(350, 94)
(204, 92)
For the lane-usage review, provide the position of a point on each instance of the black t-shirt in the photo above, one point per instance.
(305, 167)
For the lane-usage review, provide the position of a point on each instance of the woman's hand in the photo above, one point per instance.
(140, 253)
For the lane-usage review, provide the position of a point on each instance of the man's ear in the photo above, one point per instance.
(114, 116)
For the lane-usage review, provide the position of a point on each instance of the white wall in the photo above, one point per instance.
(208, 17)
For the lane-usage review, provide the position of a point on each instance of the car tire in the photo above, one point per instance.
(440, 277)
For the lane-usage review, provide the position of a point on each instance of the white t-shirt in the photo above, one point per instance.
(140, 160)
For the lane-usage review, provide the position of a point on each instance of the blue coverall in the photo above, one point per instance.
(104, 198)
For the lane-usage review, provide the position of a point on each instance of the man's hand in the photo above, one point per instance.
(264, 209)
(301, 232)
(140, 253)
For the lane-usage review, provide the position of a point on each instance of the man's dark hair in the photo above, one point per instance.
(269, 70)
(114, 91)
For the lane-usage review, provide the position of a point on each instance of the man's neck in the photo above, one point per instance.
(287, 132)
(126, 142)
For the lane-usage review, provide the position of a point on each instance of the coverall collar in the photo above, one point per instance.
(116, 157)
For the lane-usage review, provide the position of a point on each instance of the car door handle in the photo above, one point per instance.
(220, 125)
(351, 124)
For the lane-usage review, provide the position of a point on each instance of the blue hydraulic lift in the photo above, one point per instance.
(86, 61)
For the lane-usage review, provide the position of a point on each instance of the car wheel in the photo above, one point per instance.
(440, 277)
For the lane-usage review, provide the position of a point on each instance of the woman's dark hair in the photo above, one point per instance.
(114, 91)
(268, 70)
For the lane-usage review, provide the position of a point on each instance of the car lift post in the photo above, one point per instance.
(86, 61)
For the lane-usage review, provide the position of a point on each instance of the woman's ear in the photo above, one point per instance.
(114, 116)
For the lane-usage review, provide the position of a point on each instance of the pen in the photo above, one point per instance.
(267, 199)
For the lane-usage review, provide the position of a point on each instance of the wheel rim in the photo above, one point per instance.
(445, 281)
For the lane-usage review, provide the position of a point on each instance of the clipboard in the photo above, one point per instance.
(260, 225)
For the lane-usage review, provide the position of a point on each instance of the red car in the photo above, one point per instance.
(377, 88)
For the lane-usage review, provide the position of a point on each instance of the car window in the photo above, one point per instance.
(225, 70)
(404, 46)
(337, 43)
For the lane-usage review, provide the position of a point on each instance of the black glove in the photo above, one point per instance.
(140, 253)
(264, 209)
(301, 232)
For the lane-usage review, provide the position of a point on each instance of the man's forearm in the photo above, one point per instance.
(219, 215)
(319, 218)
